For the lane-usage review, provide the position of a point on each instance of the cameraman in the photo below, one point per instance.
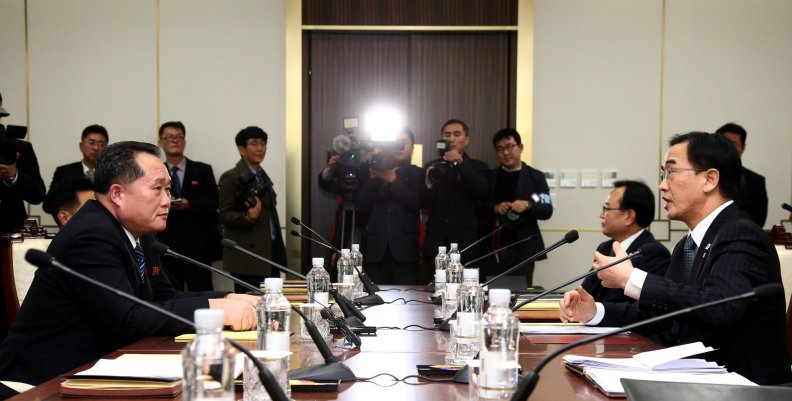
(451, 199)
(20, 180)
(248, 213)
(518, 196)
(390, 199)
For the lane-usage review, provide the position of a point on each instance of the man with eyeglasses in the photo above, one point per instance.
(93, 141)
(725, 254)
(627, 212)
(518, 198)
(248, 211)
(192, 228)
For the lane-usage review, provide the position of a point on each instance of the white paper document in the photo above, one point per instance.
(166, 369)
(564, 329)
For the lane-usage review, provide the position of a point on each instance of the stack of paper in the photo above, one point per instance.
(660, 365)
(128, 376)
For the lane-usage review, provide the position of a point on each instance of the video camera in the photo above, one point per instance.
(8, 137)
(352, 158)
(442, 170)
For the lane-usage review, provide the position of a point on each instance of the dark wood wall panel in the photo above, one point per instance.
(410, 12)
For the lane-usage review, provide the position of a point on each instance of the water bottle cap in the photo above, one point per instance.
(345, 251)
(208, 318)
(441, 249)
(454, 245)
(455, 257)
(273, 283)
(499, 295)
(470, 274)
(317, 262)
(355, 247)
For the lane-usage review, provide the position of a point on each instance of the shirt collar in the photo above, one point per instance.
(86, 169)
(182, 165)
(627, 242)
(698, 232)
(131, 237)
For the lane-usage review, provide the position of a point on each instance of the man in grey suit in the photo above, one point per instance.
(248, 213)
(725, 254)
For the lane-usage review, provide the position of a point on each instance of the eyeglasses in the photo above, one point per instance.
(508, 148)
(606, 209)
(173, 138)
(667, 172)
(257, 143)
(100, 144)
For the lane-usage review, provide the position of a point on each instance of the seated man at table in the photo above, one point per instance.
(66, 322)
(627, 211)
(725, 254)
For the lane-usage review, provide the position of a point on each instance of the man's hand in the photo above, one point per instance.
(8, 171)
(616, 276)
(453, 156)
(251, 299)
(180, 205)
(577, 306)
(502, 208)
(255, 211)
(388, 175)
(519, 206)
(237, 313)
(332, 162)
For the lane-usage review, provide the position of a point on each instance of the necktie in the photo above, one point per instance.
(141, 263)
(690, 255)
(175, 183)
(89, 175)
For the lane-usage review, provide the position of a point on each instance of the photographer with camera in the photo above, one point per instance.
(455, 184)
(518, 196)
(390, 201)
(248, 212)
(20, 180)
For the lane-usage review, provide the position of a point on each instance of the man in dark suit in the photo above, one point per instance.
(66, 197)
(248, 211)
(192, 228)
(452, 199)
(93, 141)
(518, 196)
(628, 211)
(725, 254)
(390, 201)
(753, 191)
(66, 322)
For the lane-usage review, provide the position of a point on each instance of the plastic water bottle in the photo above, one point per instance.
(357, 261)
(441, 262)
(454, 250)
(346, 273)
(453, 281)
(500, 334)
(273, 312)
(470, 307)
(318, 280)
(208, 361)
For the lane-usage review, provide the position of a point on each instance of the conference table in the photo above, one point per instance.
(398, 351)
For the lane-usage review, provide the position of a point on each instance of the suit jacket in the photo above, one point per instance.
(194, 232)
(254, 236)
(452, 208)
(654, 259)
(29, 187)
(393, 215)
(66, 171)
(753, 196)
(734, 257)
(66, 322)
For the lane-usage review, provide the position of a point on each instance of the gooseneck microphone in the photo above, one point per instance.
(482, 239)
(569, 238)
(331, 370)
(787, 207)
(762, 292)
(591, 272)
(230, 244)
(44, 260)
(500, 249)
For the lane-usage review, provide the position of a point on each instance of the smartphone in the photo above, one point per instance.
(438, 370)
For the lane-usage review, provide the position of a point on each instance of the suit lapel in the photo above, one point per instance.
(186, 184)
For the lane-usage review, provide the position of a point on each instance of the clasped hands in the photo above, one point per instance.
(239, 310)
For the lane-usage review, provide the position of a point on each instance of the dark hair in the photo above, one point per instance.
(407, 131)
(95, 129)
(506, 133)
(63, 195)
(172, 124)
(639, 197)
(706, 151)
(117, 164)
(251, 132)
(735, 129)
(454, 121)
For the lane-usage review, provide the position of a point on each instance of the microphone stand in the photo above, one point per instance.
(43, 259)
(500, 249)
(230, 244)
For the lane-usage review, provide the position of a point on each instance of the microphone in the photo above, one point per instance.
(762, 292)
(569, 237)
(353, 316)
(482, 238)
(230, 244)
(500, 249)
(342, 325)
(591, 272)
(370, 286)
(44, 260)
(331, 369)
(787, 207)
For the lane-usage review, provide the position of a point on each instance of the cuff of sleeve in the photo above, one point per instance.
(635, 284)
(597, 316)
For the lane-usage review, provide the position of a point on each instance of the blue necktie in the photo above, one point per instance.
(175, 183)
(690, 255)
(141, 263)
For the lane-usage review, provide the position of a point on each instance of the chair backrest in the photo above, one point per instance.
(17, 273)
